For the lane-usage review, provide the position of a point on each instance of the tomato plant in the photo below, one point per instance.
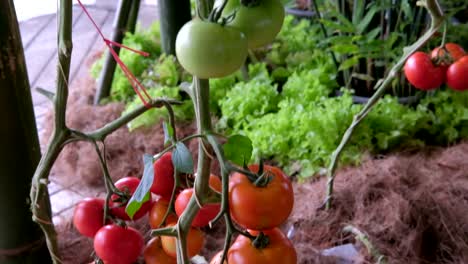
(278, 249)
(260, 207)
(422, 73)
(457, 75)
(195, 241)
(127, 185)
(88, 216)
(163, 181)
(118, 245)
(260, 21)
(210, 50)
(452, 53)
(154, 253)
(207, 213)
(158, 211)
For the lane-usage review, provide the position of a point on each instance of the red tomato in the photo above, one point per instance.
(215, 183)
(457, 75)
(217, 258)
(455, 52)
(279, 250)
(260, 208)
(118, 245)
(154, 253)
(206, 213)
(163, 182)
(157, 213)
(422, 73)
(195, 241)
(127, 185)
(88, 216)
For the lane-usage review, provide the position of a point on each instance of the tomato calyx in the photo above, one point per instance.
(261, 241)
(443, 57)
(260, 179)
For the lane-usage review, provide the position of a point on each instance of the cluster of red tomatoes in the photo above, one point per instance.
(258, 209)
(114, 242)
(448, 64)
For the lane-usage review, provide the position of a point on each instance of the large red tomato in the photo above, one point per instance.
(128, 185)
(163, 182)
(88, 216)
(260, 208)
(154, 253)
(118, 245)
(422, 73)
(195, 241)
(457, 75)
(278, 251)
(158, 211)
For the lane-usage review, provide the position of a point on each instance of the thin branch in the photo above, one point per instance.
(101, 133)
(361, 236)
(437, 21)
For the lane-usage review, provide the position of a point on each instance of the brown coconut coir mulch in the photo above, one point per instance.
(412, 205)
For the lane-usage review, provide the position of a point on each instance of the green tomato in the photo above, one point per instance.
(260, 21)
(210, 50)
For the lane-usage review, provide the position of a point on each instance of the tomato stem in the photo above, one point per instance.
(260, 241)
(438, 19)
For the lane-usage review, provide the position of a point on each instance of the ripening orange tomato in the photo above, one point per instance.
(260, 207)
(195, 241)
(157, 212)
(154, 253)
(278, 251)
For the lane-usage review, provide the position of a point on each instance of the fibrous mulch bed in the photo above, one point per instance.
(412, 205)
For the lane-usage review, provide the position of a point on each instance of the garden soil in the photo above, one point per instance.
(412, 205)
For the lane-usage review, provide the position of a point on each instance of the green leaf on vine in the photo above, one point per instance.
(182, 158)
(168, 133)
(238, 149)
(142, 193)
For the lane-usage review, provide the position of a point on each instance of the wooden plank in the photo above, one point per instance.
(41, 57)
(96, 46)
(31, 28)
(147, 15)
(86, 38)
(44, 47)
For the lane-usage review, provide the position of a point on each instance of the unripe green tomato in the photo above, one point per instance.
(260, 22)
(210, 50)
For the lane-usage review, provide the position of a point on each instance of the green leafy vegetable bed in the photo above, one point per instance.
(286, 108)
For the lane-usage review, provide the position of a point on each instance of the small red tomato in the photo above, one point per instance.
(158, 211)
(260, 207)
(118, 245)
(88, 216)
(128, 185)
(457, 75)
(278, 250)
(206, 213)
(163, 182)
(154, 253)
(422, 73)
(195, 241)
